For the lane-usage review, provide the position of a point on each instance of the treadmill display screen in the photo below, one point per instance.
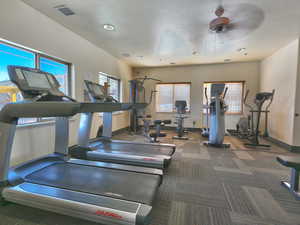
(37, 80)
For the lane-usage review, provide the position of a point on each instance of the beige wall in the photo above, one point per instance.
(26, 26)
(248, 72)
(280, 72)
(296, 141)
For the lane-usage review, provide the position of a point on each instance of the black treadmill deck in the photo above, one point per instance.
(109, 146)
(118, 184)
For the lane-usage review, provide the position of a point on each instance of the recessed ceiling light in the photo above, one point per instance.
(109, 27)
(241, 49)
(227, 60)
(125, 54)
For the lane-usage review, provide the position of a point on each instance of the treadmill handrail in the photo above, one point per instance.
(91, 107)
(12, 111)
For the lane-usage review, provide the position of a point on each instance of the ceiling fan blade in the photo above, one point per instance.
(245, 14)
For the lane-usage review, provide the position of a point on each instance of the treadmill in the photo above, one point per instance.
(101, 192)
(116, 151)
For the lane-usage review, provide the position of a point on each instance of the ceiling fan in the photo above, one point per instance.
(221, 23)
(235, 21)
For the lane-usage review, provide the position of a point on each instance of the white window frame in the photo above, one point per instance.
(227, 83)
(173, 96)
(120, 96)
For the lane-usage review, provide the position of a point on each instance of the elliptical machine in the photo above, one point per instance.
(217, 109)
(247, 127)
(181, 111)
(260, 99)
(205, 130)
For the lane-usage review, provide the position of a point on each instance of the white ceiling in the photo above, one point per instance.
(160, 32)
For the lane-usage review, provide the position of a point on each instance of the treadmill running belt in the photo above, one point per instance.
(100, 181)
(126, 147)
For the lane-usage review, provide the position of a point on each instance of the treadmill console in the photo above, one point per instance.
(217, 89)
(34, 83)
(97, 92)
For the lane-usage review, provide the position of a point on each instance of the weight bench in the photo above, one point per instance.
(158, 124)
(294, 163)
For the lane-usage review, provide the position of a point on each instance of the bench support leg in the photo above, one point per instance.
(293, 186)
(295, 180)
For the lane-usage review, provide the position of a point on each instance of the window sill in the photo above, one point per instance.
(114, 113)
(43, 123)
(230, 114)
(187, 112)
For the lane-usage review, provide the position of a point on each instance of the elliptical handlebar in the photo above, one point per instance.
(206, 97)
(246, 96)
(225, 92)
(271, 100)
(245, 100)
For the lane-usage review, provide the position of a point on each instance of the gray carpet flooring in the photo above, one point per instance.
(203, 186)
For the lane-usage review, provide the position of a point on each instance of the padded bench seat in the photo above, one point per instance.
(289, 161)
(158, 124)
(292, 162)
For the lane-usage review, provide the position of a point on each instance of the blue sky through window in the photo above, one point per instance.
(60, 71)
(14, 56)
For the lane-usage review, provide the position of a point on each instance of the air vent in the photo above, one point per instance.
(64, 10)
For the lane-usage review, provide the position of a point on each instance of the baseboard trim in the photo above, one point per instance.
(291, 148)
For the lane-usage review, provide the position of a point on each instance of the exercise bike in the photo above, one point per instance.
(181, 107)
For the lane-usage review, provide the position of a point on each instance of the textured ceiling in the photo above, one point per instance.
(160, 32)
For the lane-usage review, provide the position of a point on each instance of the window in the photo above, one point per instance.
(168, 94)
(233, 98)
(13, 55)
(59, 69)
(114, 85)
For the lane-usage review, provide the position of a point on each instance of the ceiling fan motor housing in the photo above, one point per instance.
(219, 24)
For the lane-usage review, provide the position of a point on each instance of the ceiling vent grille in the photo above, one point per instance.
(64, 10)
